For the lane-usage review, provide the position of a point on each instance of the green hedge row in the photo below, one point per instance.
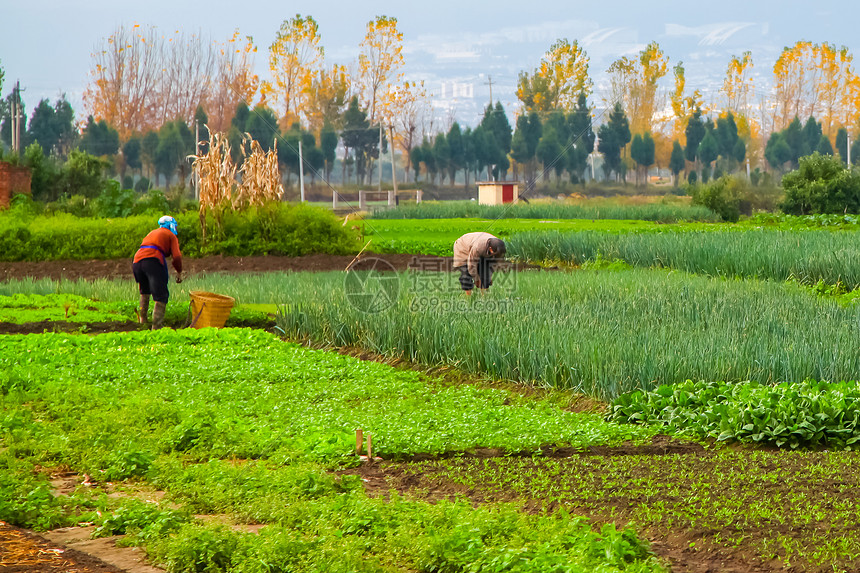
(291, 230)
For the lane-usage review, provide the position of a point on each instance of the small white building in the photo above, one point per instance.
(498, 192)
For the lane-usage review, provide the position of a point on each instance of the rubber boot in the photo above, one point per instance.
(143, 311)
(158, 315)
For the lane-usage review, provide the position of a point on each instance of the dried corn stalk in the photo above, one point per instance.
(261, 177)
(216, 179)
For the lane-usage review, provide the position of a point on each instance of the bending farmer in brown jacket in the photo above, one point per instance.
(150, 268)
(475, 254)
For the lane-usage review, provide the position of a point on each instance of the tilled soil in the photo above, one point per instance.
(65, 326)
(121, 268)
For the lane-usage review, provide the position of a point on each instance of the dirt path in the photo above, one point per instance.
(121, 268)
(23, 551)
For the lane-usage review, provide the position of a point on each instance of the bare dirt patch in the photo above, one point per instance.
(23, 551)
(105, 549)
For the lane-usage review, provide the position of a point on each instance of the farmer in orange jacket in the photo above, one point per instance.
(475, 255)
(150, 268)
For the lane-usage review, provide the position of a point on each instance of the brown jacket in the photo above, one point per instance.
(469, 249)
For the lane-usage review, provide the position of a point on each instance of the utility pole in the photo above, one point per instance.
(196, 153)
(13, 118)
(393, 168)
(301, 172)
(490, 83)
(18, 116)
(379, 188)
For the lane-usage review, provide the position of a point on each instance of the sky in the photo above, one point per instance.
(461, 49)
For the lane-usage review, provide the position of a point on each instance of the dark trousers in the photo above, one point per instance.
(151, 277)
(485, 273)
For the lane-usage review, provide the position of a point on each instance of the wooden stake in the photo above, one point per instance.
(358, 255)
(369, 447)
(359, 440)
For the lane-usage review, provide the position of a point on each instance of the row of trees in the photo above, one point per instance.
(815, 80)
(141, 80)
(484, 149)
(785, 148)
(809, 79)
(145, 85)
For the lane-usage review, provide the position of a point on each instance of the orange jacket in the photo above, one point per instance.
(168, 246)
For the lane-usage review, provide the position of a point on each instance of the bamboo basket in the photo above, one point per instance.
(209, 309)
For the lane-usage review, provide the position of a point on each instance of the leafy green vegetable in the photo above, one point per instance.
(794, 415)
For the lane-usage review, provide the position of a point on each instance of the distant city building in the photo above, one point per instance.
(457, 90)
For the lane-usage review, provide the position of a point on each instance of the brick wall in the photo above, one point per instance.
(12, 180)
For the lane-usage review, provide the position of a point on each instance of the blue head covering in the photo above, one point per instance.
(168, 223)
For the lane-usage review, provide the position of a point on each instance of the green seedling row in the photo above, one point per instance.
(437, 236)
(787, 510)
(21, 308)
(245, 393)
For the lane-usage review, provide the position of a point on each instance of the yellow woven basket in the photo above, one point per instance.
(210, 309)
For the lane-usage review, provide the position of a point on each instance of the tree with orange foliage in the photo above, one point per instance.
(839, 89)
(634, 84)
(738, 87)
(557, 82)
(683, 106)
(815, 80)
(140, 79)
(187, 66)
(409, 109)
(326, 97)
(379, 64)
(234, 81)
(294, 57)
(126, 71)
(739, 92)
